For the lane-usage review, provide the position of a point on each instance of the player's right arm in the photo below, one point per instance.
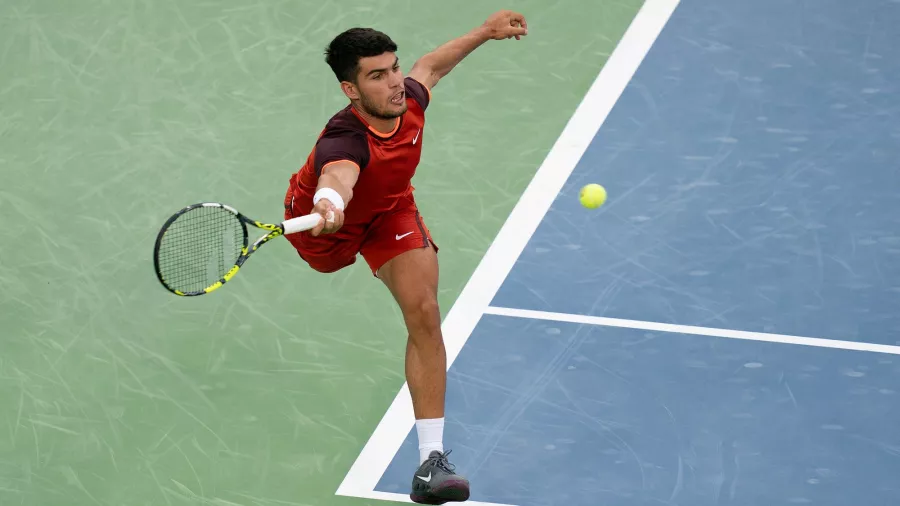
(342, 152)
(333, 193)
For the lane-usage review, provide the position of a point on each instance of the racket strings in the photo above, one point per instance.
(199, 248)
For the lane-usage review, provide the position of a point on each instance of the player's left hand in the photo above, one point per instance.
(506, 25)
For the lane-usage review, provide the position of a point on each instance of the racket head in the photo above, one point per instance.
(199, 248)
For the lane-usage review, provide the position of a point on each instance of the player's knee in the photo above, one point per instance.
(425, 314)
(429, 308)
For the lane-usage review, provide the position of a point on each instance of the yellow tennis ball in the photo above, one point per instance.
(592, 196)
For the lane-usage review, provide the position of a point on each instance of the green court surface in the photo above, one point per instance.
(114, 114)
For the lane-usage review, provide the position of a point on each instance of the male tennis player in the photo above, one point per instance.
(358, 176)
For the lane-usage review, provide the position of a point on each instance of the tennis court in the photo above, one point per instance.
(723, 331)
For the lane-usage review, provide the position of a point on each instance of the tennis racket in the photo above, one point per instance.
(202, 246)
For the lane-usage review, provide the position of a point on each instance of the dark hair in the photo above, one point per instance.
(345, 51)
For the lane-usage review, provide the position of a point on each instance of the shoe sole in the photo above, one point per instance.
(451, 491)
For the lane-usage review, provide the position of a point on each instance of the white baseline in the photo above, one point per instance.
(524, 219)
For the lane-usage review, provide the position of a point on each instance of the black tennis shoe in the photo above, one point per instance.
(436, 483)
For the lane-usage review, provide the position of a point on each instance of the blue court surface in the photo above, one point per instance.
(752, 167)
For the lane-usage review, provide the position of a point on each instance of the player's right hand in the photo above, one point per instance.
(332, 218)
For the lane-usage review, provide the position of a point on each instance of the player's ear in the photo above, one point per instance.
(350, 90)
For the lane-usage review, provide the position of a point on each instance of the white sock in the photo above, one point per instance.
(431, 436)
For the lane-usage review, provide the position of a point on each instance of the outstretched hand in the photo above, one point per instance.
(506, 25)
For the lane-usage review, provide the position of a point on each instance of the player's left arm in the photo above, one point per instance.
(430, 68)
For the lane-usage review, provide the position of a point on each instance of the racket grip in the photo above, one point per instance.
(301, 223)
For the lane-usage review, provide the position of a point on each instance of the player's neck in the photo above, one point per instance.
(380, 125)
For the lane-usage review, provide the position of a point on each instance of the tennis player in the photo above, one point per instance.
(360, 169)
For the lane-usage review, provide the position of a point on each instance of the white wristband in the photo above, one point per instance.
(333, 196)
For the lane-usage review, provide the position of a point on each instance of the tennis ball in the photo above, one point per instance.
(592, 196)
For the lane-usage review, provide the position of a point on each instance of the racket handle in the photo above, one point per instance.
(302, 223)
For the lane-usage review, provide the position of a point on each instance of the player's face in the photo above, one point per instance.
(380, 86)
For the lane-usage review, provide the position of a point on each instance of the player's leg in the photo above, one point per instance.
(412, 279)
(401, 254)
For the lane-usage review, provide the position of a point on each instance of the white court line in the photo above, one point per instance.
(513, 236)
(688, 329)
(387, 496)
